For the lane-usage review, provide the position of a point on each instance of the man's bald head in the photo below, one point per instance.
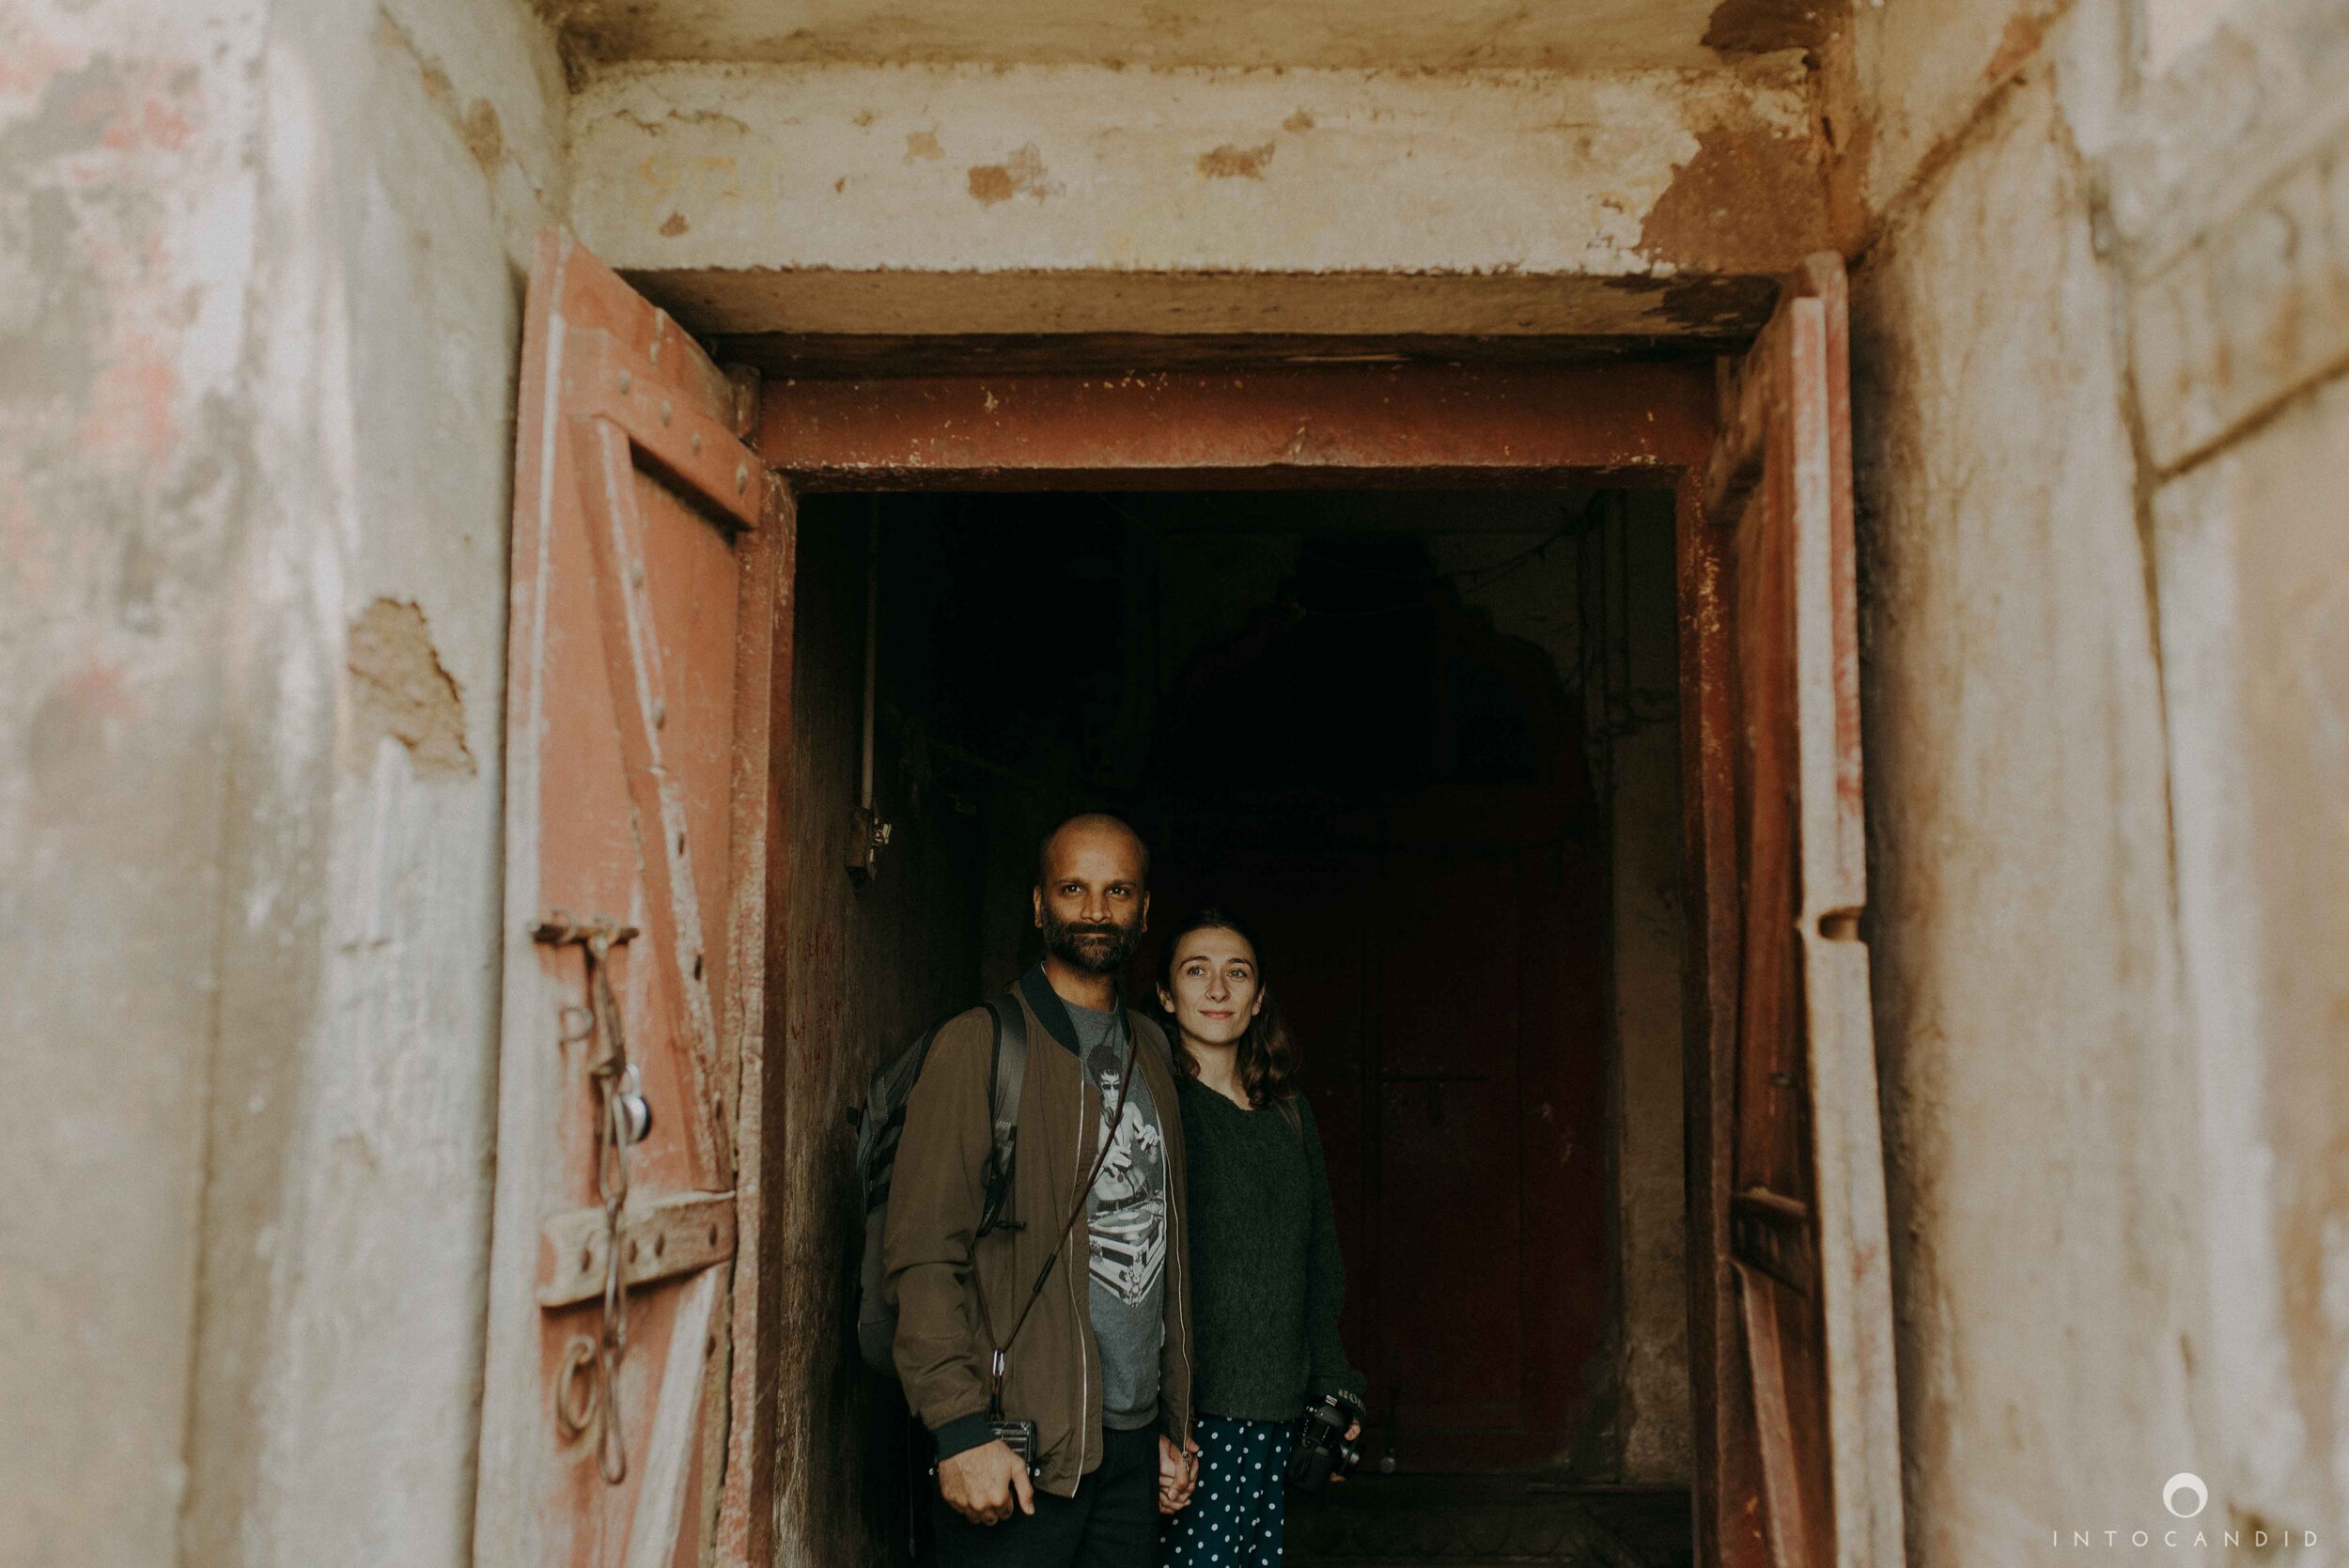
(1096, 831)
(1092, 896)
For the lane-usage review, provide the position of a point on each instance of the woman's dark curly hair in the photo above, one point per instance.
(1268, 1056)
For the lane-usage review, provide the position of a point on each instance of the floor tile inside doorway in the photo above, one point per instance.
(1488, 1521)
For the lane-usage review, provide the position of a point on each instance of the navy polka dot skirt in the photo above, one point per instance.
(1234, 1519)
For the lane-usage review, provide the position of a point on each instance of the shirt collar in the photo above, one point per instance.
(1052, 1012)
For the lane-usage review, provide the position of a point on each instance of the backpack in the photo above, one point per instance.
(881, 1122)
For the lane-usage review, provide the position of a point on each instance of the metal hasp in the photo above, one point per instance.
(586, 1396)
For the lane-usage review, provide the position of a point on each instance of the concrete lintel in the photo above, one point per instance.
(959, 200)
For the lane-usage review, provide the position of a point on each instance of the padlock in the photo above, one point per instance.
(631, 1111)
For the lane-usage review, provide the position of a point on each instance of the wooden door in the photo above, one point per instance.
(629, 1327)
(1807, 1469)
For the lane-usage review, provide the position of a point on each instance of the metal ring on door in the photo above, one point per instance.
(574, 1414)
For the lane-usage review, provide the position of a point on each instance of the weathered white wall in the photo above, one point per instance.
(2104, 671)
(2254, 577)
(2033, 1078)
(126, 207)
(974, 198)
(410, 154)
(2230, 213)
(261, 332)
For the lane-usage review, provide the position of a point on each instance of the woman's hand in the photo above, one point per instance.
(1351, 1433)
(1179, 1473)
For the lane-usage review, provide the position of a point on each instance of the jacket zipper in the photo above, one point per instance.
(1068, 1280)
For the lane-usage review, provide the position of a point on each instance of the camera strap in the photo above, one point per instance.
(999, 1351)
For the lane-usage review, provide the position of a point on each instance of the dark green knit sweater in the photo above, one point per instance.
(1265, 1280)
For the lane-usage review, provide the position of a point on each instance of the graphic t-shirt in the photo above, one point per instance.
(1127, 1213)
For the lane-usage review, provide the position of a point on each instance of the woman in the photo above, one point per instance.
(1266, 1280)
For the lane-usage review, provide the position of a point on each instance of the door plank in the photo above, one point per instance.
(1789, 1086)
(660, 1239)
(652, 1536)
(625, 564)
(1792, 1519)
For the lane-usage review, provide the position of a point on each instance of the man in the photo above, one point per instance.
(1098, 1357)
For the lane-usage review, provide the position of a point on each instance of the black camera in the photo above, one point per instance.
(1018, 1436)
(1318, 1449)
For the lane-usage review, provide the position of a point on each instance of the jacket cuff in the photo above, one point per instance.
(962, 1433)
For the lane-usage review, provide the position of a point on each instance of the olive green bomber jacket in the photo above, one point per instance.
(932, 1277)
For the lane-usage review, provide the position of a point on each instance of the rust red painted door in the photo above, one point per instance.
(1796, 1157)
(628, 1328)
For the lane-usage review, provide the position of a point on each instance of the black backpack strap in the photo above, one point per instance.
(1011, 1072)
(1007, 1073)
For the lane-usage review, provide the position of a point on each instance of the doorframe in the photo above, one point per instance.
(1649, 423)
(1638, 423)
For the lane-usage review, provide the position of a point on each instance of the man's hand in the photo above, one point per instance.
(980, 1483)
(1178, 1472)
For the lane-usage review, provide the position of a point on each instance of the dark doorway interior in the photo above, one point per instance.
(1383, 725)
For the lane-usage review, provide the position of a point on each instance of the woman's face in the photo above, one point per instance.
(1216, 989)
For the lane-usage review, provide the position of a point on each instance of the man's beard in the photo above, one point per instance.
(1092, 949)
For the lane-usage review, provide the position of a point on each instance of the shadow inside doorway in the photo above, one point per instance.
(1487, 1521)
(1426, 743)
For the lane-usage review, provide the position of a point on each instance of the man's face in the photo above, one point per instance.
(1091, 906)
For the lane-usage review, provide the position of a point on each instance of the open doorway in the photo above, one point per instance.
(1427, 741)
(696, 986)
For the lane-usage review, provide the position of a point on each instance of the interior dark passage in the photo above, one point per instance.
(1392, 729)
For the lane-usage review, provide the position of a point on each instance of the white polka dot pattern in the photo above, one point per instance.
(1236, 1512)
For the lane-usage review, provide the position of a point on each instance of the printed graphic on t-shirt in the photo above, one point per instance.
(1129, 1208)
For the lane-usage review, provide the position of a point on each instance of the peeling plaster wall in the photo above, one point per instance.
(2033, 1080)
(127, 212)
(2098, 336)
(257, 355)
(2229, 213)
(2255, 640)
(784, 197)
(411, 151)
(1925, 71)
